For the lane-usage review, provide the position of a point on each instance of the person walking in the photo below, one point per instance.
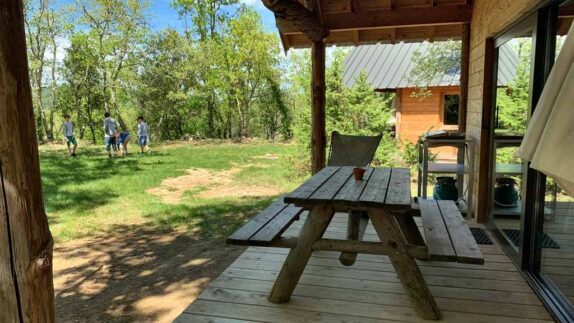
(143, 130)
(68, 128)
(110, 134)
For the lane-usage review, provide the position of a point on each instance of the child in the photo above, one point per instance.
(142, 133)
(110, 134)
(68, 128)
(124, 140)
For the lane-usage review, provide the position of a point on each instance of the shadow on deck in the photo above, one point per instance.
(369, 291)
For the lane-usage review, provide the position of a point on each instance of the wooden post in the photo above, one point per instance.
(318, 138)
(484, 158)
(356, 226)
(463, 103)
(464, 71)
(26, 288)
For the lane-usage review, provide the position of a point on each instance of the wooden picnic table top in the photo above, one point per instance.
(387, 188)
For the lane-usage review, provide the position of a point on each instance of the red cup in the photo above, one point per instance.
(359, 172)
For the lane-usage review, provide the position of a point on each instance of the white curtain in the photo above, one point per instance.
(549, 140)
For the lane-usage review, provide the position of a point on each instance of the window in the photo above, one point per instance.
(450, 113)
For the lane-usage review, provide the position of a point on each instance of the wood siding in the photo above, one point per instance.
(416, 115)
(489, 18)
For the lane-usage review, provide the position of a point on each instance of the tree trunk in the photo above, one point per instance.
(318, 139)
(26, 288)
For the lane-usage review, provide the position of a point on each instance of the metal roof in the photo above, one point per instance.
(388, 66)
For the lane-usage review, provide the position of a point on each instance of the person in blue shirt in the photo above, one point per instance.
(123, 140)
(142, 133)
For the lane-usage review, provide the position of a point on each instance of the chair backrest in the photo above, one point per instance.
(357, 151)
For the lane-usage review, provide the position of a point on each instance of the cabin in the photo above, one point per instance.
(525, 277)
(388, 68)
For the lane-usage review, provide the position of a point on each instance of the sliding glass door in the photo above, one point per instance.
(530, 214)
(556, 237)
(514, 62)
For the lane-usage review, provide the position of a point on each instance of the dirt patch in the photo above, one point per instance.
(143, 276)
(212, 183)
(268, 156)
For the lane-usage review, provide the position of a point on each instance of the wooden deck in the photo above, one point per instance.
(369, 291)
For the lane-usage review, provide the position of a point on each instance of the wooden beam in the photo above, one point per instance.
(390, 18)
(484, 158)
(26, 288)
(298, 17)
(318, 137)
(464, 74)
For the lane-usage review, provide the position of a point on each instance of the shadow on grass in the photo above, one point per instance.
(212, 220)
(134, 274)
(59, 170)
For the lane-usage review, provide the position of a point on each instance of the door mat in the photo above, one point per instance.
(514, 236)
(480, 236)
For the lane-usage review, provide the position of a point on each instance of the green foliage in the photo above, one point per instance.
(512, 99)
(91, 194)
(358, 110)
(219, 78)
(430, 66)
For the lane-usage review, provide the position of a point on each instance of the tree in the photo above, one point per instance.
(430, 66)
(81, 93)
(43, 26)
(115, 30)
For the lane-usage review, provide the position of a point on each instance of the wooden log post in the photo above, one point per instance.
(464, 72)
(318, 137)
(463, 103)
(26, 288)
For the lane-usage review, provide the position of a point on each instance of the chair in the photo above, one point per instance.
(357, 151)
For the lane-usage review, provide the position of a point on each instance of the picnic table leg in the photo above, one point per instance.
(356, 227)
(410, 229)
(388, 230)
(315, 225)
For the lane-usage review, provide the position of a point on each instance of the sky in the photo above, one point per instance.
(164, 16)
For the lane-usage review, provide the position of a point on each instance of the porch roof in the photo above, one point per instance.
(354, 22)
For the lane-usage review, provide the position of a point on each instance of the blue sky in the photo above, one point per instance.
(163, 15)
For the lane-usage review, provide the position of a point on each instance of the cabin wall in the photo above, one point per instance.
(489, 18)
(416, 115)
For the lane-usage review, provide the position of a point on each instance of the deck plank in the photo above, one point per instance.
(368, 291)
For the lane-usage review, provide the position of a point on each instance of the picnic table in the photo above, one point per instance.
(384, 198)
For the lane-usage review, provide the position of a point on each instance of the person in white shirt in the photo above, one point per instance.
(68, 128)
(110, 134)
(142, 133)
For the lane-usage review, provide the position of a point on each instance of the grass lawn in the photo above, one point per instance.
(91, 194)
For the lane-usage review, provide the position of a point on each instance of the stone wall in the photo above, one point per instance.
(489, 18)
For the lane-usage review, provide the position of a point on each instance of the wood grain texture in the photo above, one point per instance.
(24, 205)
(315, 225)
(8, 299)
(352, 190)
(276, 226)
(405, 265)
(465, 247)
(250, 228)
(333, 185)
(303, 192)
(375, 191)
(437, 238)
(356, 226)
(399, 191)
(318, 102)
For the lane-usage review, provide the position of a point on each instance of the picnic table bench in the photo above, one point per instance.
(384, 198)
